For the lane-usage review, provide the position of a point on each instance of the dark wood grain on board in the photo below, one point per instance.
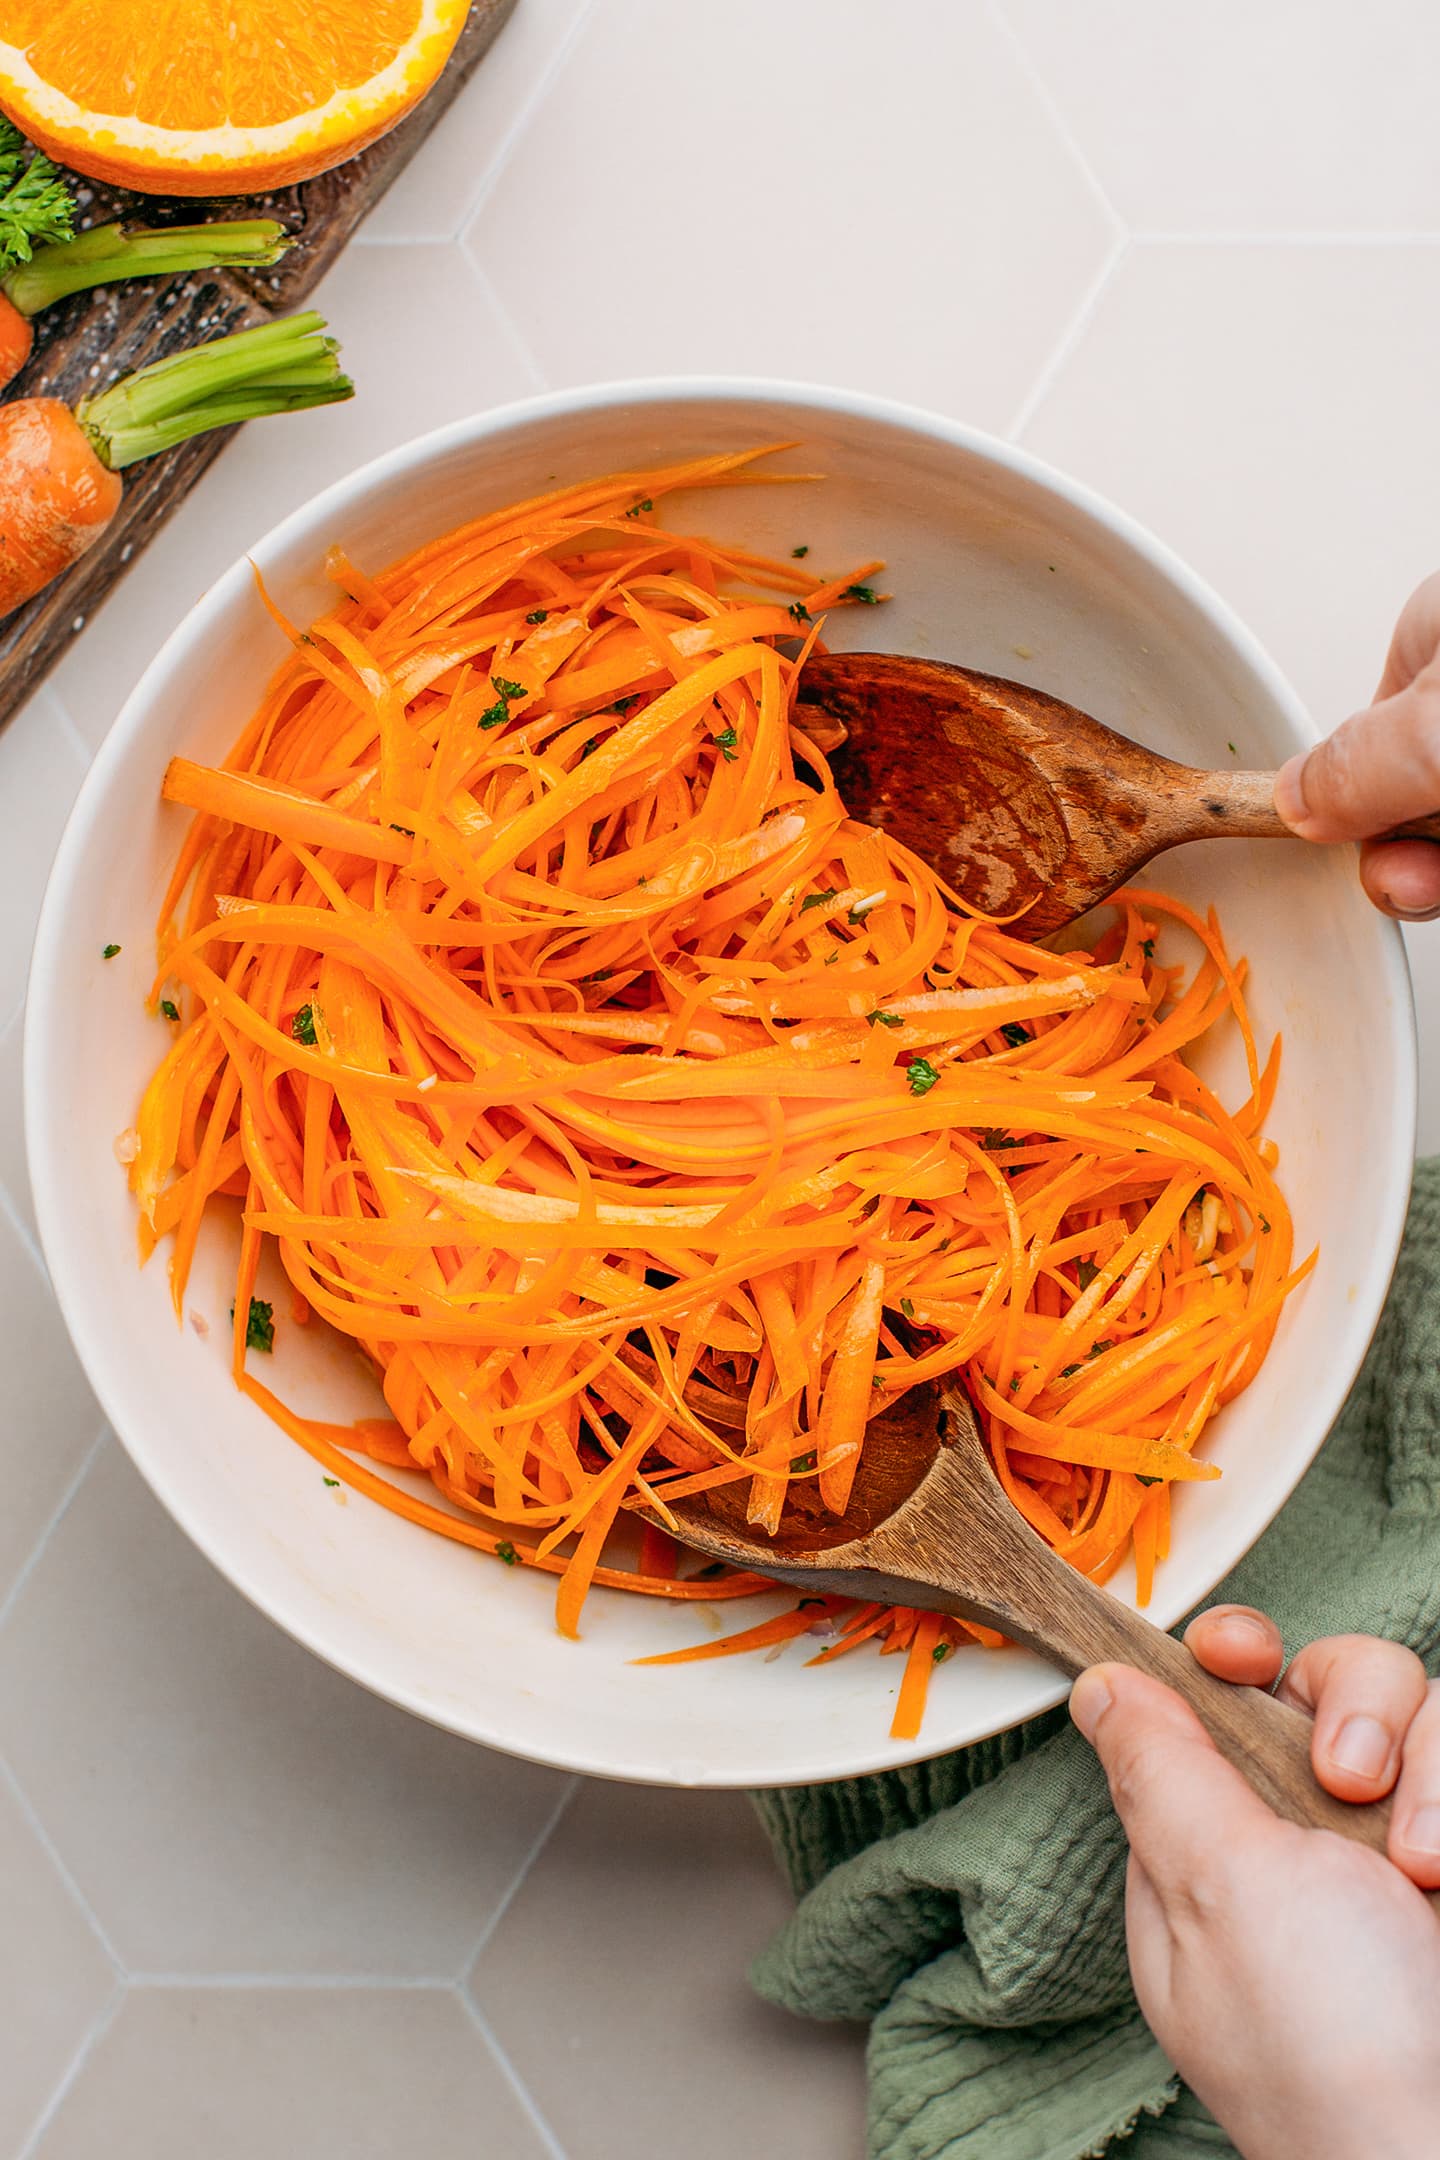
(96, 337)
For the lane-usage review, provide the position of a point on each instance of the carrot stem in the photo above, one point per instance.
(114, 251)
(279, 367)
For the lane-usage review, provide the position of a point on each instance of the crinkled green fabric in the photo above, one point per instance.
(972, 1907)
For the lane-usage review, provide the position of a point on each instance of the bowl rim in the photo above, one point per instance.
(43, 1037)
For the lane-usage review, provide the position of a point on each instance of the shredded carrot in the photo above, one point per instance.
(649, 1124)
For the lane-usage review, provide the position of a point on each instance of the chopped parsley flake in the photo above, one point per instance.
(170, 1009)
(1067, 1372)
(1264, 1226)
(801, 1463)
(407, 830)
(801, 552)
(1086, 1271)
(944, 1245)
(302, 1027)
(509, 689)
(941, 1651)
(726, 743)
(798, 612)
(876, 1380)
(330, 1481)
(259, 1325)
(1154, 1480)
(993, 1141)
(1015, 1034)
(884, 1019)
(921, 1075)
(865, 594)
(494, 715)
(819, 899)
(907, 1306)
(1147, 946)
(622, 705)
(108, 952)
(506, 1551)
(537, 615)
(591, 742)
(1234, 753)
(636, 508)
(864, 907)
(1098, 1349)
(831, 958)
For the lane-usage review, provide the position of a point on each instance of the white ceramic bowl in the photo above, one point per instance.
(992, 560)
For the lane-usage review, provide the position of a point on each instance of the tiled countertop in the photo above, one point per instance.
(1189, 253)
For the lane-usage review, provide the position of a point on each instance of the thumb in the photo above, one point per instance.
(1379, 768)
(1183, 1807)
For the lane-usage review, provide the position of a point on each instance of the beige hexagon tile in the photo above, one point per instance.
(424, 343)
(14, 1172)
(1217, 394)
(226, 1803)
(291, 2074)
(41, 768)
(1271, 411)
(55, 1979)
(1296, 116)
(875, 198)
(433, 196)
(615, 1982)
(50, 1420)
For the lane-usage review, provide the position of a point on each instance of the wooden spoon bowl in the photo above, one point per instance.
(1025, 805)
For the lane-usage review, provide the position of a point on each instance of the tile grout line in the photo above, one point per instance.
(542, 1839)
(47, 1845)
(489, 291)
(1158, 237)
(28, 1565)
(523, 2097)
(475, 201)
(78, 2060)
(1054, 112)
(77, 741)
(1069, 338)
(296, 1983)
(22, 1228)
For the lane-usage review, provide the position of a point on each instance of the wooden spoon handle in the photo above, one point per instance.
(1241, 806)
(1267, 1741)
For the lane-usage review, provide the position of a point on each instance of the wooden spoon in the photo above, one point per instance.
(928, 1524)
(1019, 801)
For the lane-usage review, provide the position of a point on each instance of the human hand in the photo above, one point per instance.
(1291, 1976)
(1379, 768)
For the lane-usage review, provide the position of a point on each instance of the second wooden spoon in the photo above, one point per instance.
(1018, 800)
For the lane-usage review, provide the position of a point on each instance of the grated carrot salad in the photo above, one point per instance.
(648, 1123)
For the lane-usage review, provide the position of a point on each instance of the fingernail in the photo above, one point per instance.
(1290, 789)
(1362, 1746)
(1421, 1833)
(1240, 1623)
(1406, 914)
(1090, 1698)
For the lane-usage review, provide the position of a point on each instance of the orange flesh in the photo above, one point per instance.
(193, 64)
(56, 498)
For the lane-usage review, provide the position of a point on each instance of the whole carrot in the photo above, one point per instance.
(58, 469)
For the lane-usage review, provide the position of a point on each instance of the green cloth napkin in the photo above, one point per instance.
(973, 1907)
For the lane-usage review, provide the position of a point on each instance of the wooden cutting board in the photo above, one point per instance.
(98, 336)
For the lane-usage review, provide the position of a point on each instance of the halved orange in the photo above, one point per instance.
(216, 97)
